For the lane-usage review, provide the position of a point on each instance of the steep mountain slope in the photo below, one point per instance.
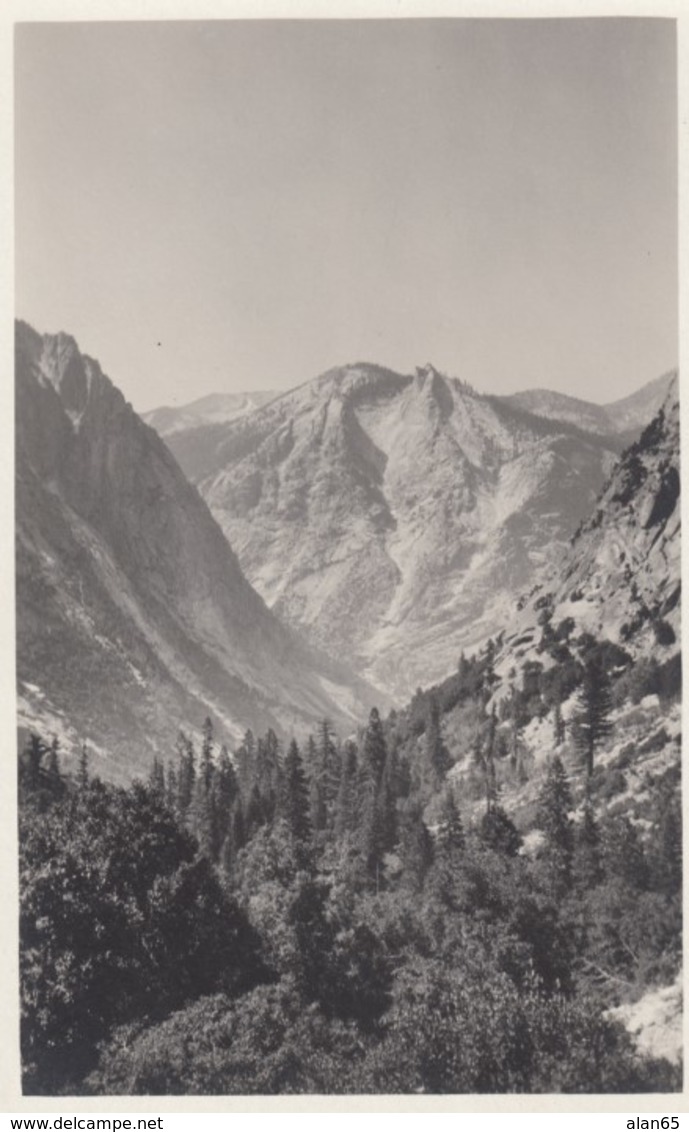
(395, 518)
(625, 417)
(613, 601)
(620, 579)
(587, 669)
(134, 617)
(216, 408)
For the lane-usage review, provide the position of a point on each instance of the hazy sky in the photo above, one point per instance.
(267, 199)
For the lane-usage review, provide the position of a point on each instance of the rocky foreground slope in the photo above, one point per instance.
(395, 519)
(133, 615)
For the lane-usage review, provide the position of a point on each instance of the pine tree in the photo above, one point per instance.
(558, 724)
(374, 750)
(206, 767)
(623, 853)
(592, 723)
(483, 750)
(203, 813)
(368, 831)
(170, 787)
(157, 778)
(83, 768)
(295, 795)
(53, 762)
(318, 810)
(498, 831)
(255, 814)
(386, 807)
(330, 763)
(346, 808)
(491, 733)
(268, 773)
(245, 761)
(415, 848)
(665, 856)
(227, 790)
(559, 729)
(587, 871)
(30, 765)
(323, 760)
(203, 818)
(516, 726)
(552, 816)
(437, 754)
(450, 835)
(489, 678)
(186, 775)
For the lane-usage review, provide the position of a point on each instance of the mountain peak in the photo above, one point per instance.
(383, 514)
(56, 362)
(122, 569)
(428, 370)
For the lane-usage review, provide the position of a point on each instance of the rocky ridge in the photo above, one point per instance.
(625, 417)
(133, 615)
(395, 518)
(620, 579)
(215, 408)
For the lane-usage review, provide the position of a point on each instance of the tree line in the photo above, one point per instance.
(344, 916)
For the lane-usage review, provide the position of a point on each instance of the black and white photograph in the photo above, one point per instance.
(347, 557)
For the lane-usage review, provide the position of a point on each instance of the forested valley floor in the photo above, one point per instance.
(424, 908)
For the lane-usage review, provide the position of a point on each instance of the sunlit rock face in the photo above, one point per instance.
(134, 617)
(394, 518)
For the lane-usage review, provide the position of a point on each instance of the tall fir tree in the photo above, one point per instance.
(450, 832)
(592, 724)
(415, 848)
(255, 815)
(203, 818)
(489, 679)
(552, 816)
(227, 791)
(83, 768)
(437, 754)
(346, 805)
(386, 806)
(157, 778)
(237, 833)
(171, 787)
(318, 810)
(268, 773)
(374, 749)
(558, 723)
(295, 795)
(328, 757)
(516, 719)
(186, 775)
(623, 854)
(53, 761)
(206, 765)
(587, 871)
(245, 762)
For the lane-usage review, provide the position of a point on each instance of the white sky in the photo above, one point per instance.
(267, 199)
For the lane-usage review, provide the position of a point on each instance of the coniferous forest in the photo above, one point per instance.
(368, 915)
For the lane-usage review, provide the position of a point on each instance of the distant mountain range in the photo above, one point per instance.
(624, 418)
(133, 615)
(395, 519)
(387, 522)
(216, 408)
